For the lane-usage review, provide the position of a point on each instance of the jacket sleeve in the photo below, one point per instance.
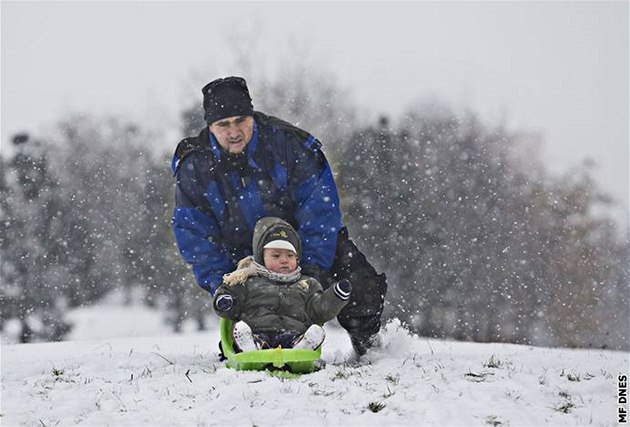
(196, 229)
(318, 212)
(322, 306)
(229, 300)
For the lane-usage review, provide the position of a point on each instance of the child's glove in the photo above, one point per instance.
(224, 303)
(343, 288)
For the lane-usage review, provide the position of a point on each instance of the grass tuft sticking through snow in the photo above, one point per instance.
(376, 406)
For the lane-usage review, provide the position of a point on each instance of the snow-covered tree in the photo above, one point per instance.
(476, 246)
(31, 243)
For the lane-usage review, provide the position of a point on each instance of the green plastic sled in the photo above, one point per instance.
(298, 361)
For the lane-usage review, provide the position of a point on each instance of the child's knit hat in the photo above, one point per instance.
(271, 232)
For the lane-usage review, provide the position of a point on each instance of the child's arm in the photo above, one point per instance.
(323, 306)
(228, 300)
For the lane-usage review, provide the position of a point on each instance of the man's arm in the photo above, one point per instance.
(318, 213)
(196, 230)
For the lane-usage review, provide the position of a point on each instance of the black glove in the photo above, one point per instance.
(224, 303)
(343, 288)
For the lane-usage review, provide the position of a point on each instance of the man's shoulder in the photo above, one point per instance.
(273, 129)
(191, 147)
(274, 124)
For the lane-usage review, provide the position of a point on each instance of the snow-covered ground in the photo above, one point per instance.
(178, 380)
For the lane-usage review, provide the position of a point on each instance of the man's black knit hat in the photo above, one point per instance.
(226, 97)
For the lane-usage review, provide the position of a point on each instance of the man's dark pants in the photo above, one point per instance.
(362, 316)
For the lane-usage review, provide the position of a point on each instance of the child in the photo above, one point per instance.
(272, 303)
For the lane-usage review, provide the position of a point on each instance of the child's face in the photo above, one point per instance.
(280, 260)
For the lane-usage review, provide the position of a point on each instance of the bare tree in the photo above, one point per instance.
(476, 247)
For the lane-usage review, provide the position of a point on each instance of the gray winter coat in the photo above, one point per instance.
(269, 306)
(272, 306)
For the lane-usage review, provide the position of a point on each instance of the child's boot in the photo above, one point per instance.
(312, 338)
(243, 336)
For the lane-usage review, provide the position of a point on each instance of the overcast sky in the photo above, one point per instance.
(557, 68)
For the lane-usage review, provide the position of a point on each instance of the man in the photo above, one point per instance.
(246, 165)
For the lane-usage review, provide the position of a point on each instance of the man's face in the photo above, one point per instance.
(233, 133)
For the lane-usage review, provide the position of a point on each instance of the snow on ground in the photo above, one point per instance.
(178, 380)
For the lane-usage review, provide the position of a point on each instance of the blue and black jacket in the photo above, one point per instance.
(220, 197)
